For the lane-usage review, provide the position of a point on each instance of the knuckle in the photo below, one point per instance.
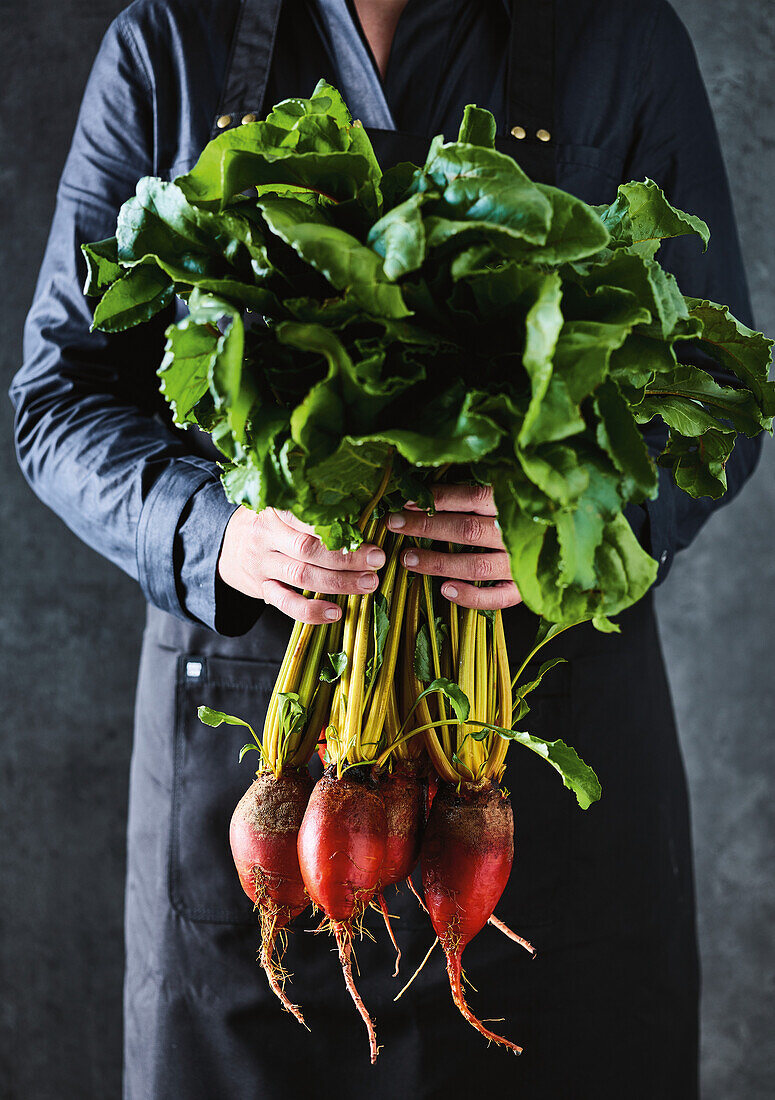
(431, 563)
(298, 574)
(341, 581)
(472, 530)
(420, 524)
(480, 494)
(304, 545)
(481, 567)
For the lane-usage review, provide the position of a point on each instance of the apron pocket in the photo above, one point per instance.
(208, 782)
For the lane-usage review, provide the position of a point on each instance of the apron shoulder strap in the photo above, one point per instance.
(531, 72)
(250, 58)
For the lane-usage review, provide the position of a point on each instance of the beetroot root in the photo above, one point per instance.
(341, 848)
(467, 853)
(263, 837)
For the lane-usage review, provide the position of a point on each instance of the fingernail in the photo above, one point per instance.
(449, 591)
(396, 522)
(410, 558)
(333, 613)
(376, 558)
(368, 581)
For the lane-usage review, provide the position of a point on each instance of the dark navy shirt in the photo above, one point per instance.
(93, 436)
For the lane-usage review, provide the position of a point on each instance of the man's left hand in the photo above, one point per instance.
(465, 516)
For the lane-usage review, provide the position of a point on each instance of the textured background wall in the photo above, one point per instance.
(70, 629)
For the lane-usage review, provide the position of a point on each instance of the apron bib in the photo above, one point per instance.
(606, 896)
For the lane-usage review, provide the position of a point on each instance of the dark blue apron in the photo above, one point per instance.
(609, 1009)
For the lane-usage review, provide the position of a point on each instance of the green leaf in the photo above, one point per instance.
(575, 774)
(653, 288)
(575, 232)
(102, 266)
(231, 390)
(185, 369)
(380, 623)
(746, 353)
(291, 714)
(133, 299)
(345, 262)
(524, 690)
(641, 218)
(485, 190)
(333, 667)
(210, 717)
(424, 668)
(478, 127)
(452, 692)
(691, 400)
(543, 324)
(698, 464)
(399, 238)
(306, 143)
(246, 749)
(618, 435)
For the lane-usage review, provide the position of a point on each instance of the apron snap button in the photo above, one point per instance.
(223, 122)
(248, 118)
(543, 135)
(519, 132)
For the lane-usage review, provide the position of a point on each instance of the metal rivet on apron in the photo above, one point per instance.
(223, 122)
(519, 132)
(248, 118)
(194, 670)
(663, 557)
(543, 135)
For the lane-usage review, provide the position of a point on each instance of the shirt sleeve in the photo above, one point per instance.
(676, 145)
(92, 435)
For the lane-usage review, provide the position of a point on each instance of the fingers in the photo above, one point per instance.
(298, 607)
(493, 598)
(492, 566)
(300, 542)
(315, 578)
(464, 498)
(465, 529)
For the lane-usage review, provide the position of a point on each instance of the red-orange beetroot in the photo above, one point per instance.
(467, 852)
(263, 836)
(341, 849)
(403, 795)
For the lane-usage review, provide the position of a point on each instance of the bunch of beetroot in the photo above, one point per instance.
(341, 843)
(413, 695)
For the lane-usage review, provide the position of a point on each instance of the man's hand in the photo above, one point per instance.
(465, 515)
(270, 554)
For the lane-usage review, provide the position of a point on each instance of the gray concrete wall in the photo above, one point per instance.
(70, 627)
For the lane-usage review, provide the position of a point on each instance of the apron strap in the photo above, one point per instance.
(247, 69)
(531, 76)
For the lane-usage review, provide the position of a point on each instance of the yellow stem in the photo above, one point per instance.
(467, 682)
(499, 745)
(386, 676)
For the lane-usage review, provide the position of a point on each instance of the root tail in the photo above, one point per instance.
(273, 967)
(389, 926)
(456, 985)
(413, 888)
(344, 944)
(504, 928)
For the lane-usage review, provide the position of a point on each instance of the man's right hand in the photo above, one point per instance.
(271, 554)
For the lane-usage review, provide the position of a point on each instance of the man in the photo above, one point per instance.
(586, 94)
